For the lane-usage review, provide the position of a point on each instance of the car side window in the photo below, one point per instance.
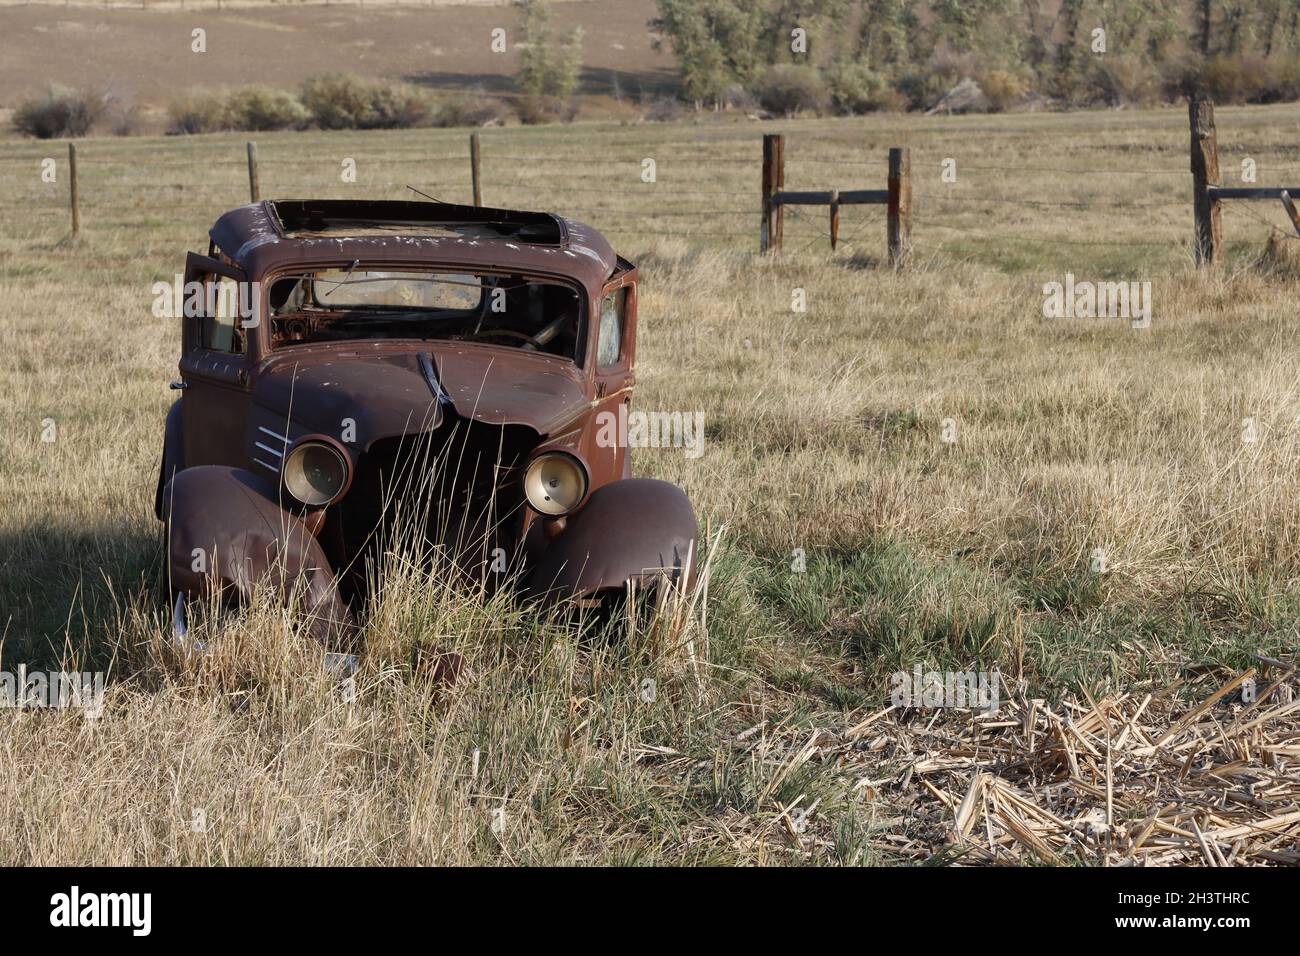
(609, 347)
(219, 326)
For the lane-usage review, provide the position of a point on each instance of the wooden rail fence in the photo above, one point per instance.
(1208, 193)
(897, 197)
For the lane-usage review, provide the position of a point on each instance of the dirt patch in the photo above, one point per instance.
(1130, 779)
(144, 56)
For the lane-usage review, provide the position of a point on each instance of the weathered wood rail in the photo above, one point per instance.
(1208, 194)
(897, 197)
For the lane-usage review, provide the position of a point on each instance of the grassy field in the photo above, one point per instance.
(1074, 438)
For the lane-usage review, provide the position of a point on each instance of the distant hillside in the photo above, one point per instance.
(144, 55)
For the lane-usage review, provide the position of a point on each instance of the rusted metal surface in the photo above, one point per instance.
(576, 562)
(383, 388)
(258, 240)
(490, 407)
(226, 532)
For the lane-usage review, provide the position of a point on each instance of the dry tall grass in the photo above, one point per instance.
(1073, 437)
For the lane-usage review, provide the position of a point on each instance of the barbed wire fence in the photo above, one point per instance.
(672, 188)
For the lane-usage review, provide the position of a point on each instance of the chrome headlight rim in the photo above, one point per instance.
(538, 499)
(291, 475)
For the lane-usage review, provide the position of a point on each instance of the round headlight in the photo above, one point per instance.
(555, 483)
(315, 473)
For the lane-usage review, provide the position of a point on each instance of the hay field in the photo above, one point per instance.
(1074, 438)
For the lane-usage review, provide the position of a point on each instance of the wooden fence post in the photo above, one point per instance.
(474, 173)
(835, 218)
(773, 224)
(1291, 212)
(1206, 211)
(254, 184)
(898, 224)
(73, 197)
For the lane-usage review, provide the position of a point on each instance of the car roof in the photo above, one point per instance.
(271, 234)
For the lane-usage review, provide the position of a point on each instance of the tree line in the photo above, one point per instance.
(858, 55)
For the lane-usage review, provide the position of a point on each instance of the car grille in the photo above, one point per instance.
(453, 495)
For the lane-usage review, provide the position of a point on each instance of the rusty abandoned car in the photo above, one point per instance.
(355, 370)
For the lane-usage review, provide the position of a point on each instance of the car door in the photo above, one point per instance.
(615, 371)
(214, 364)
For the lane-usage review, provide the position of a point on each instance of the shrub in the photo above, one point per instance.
(788, 89)
(736, 97)
(336, 100)
(662, 109)
(1125, 79)
(856, 88)
(544, 109)
(1280, 256)
(1237, 79)
(1284, 79)
(125, 121)
(264, 108)
(397, 106)
(1002, 89)
(920, 88)
(546, 69)
(60, 112)
(926, 84)
(345, 101)
(198, 111)
(1178, 77)
(468, 111)
(951, 66)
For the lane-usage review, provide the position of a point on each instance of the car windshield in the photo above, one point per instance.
(355, 302)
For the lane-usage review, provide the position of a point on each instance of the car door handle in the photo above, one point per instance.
(176, 386)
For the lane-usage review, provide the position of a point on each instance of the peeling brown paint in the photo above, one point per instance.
(392, 404)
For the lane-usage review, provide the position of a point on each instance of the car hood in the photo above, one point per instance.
(386, 393)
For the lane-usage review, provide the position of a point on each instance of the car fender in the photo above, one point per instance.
(630, 529)
(245, 538)
(173, 457)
